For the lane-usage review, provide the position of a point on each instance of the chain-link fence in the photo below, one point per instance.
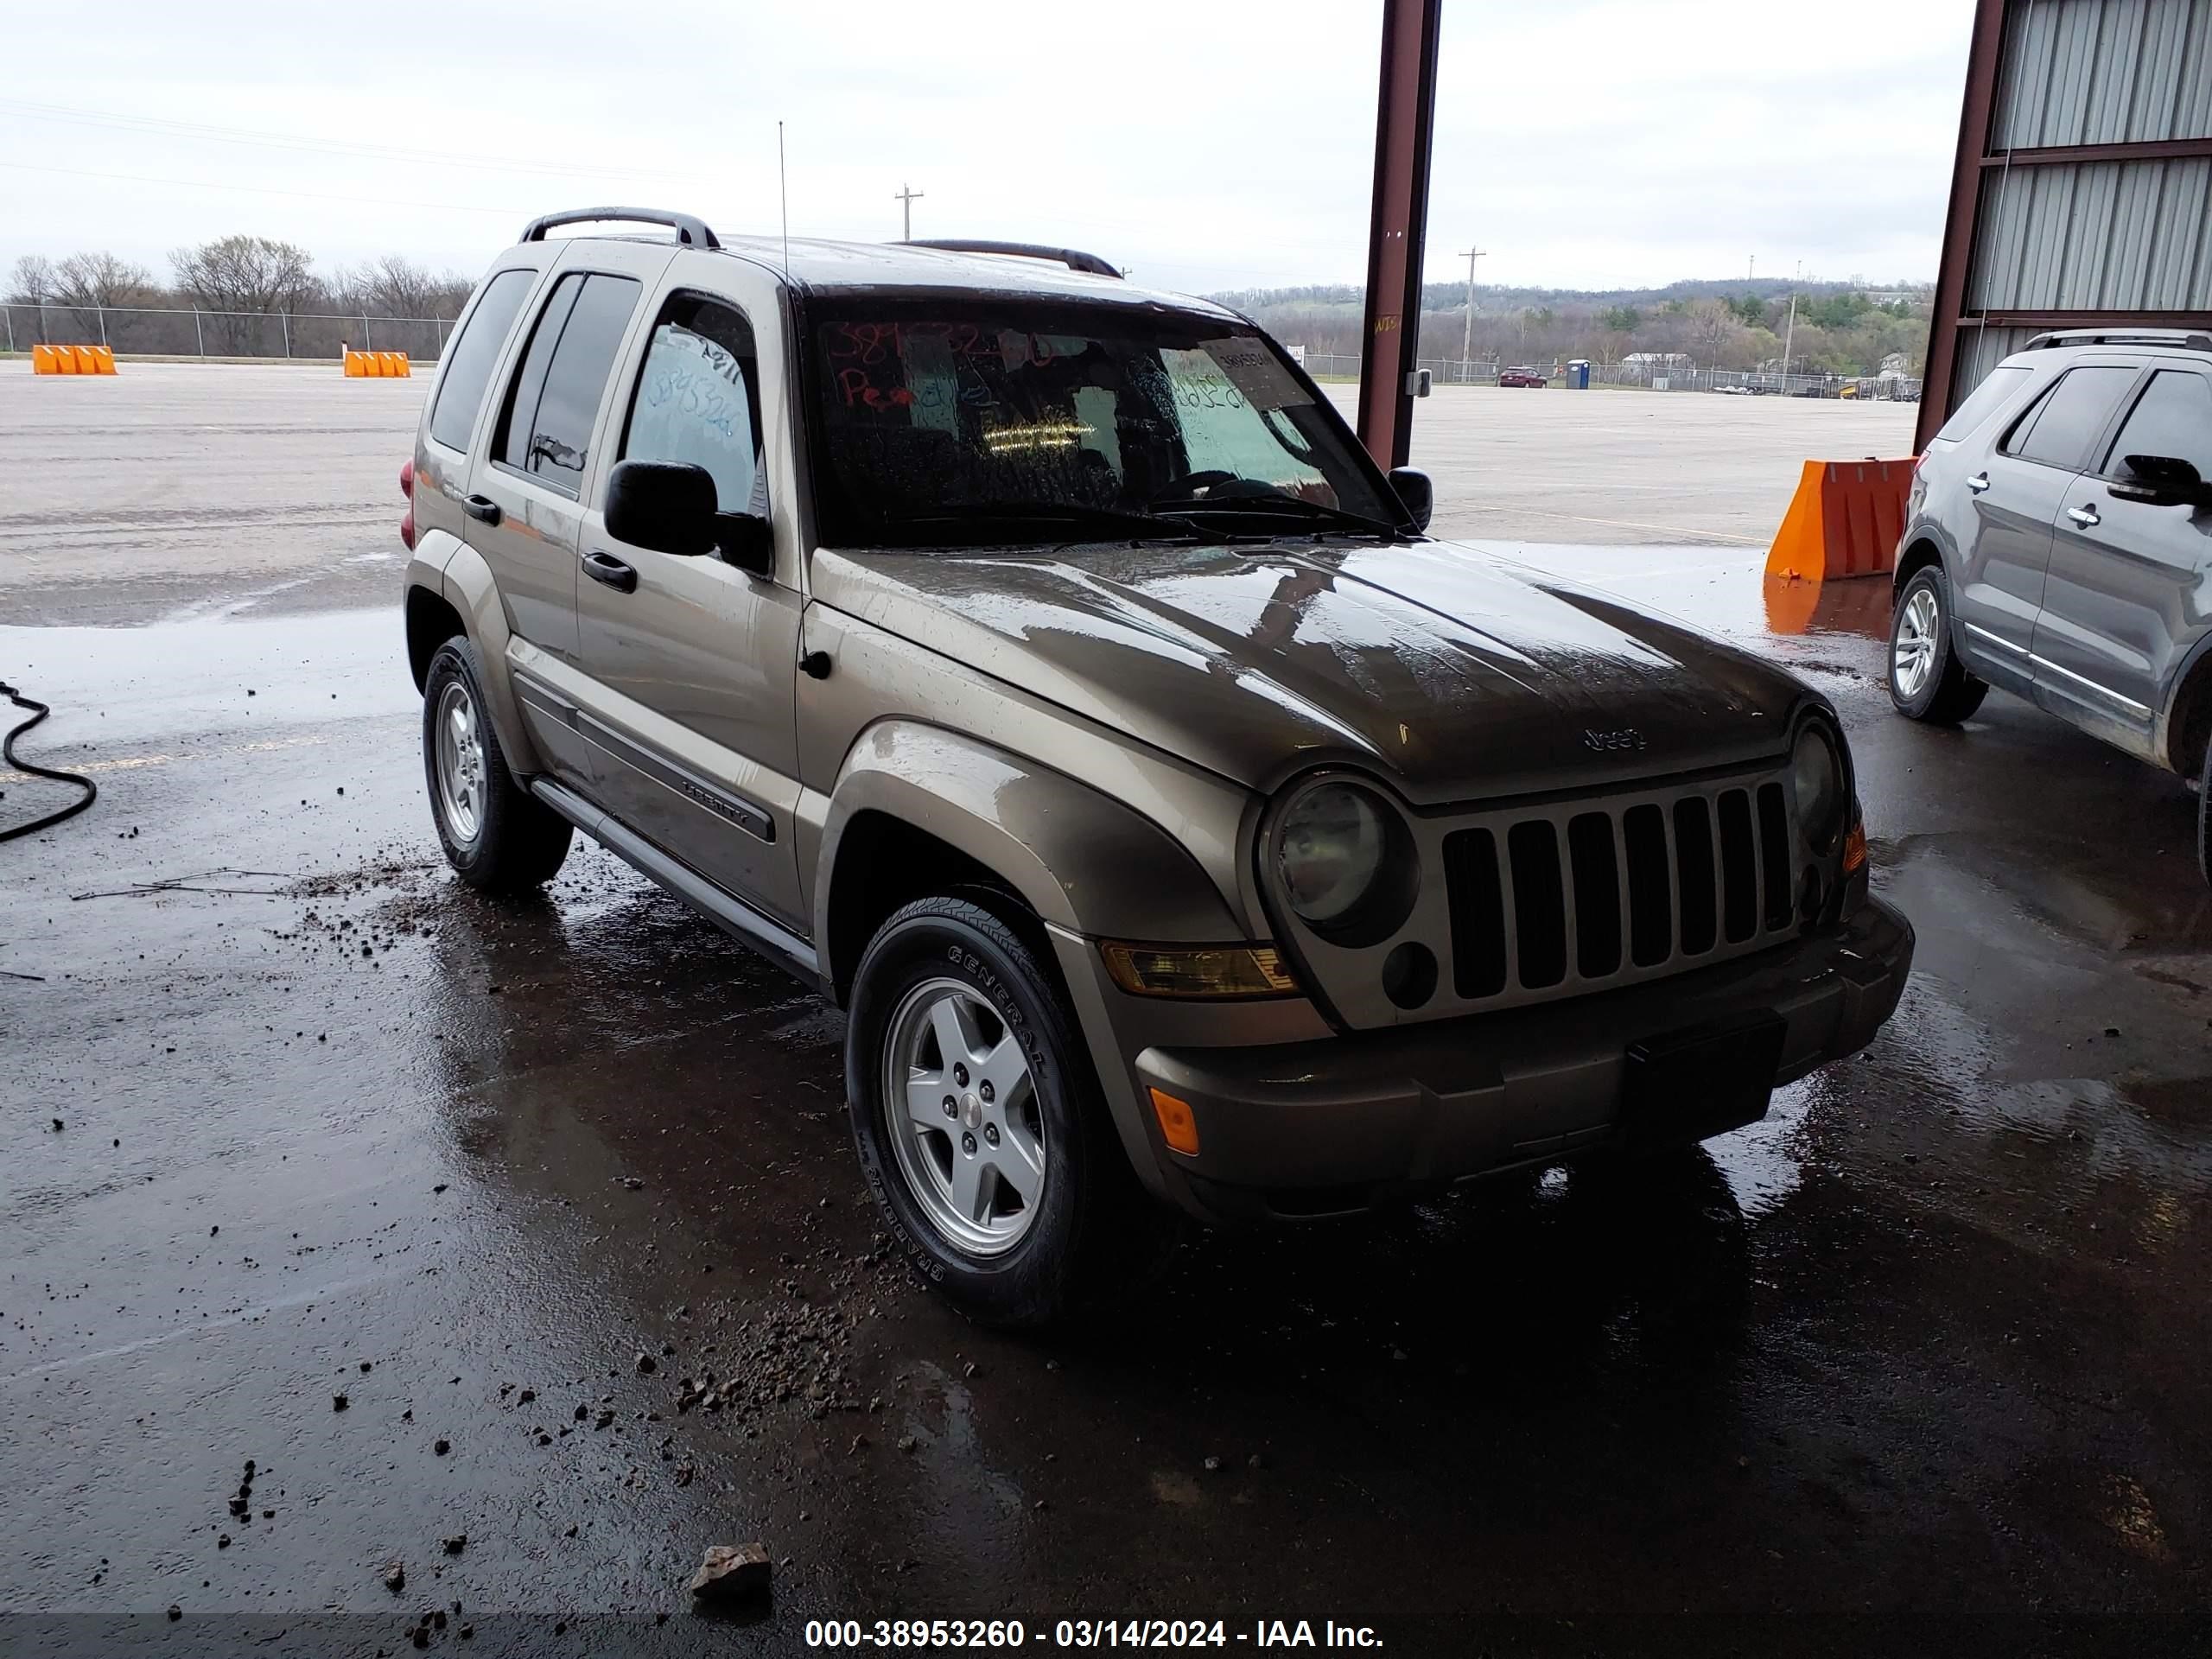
(171, 332)
(1344, 366)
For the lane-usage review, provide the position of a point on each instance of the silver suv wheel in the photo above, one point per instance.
(1912, 653)
(459, 754)
(972, 1149)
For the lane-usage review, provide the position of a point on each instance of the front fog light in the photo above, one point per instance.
(1226, 970)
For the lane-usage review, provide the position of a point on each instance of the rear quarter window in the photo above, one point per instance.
(470, 358)
(1996, 389)
(2059, 430)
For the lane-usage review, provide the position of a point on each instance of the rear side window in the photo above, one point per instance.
(1982, 401)
(2059, 431)
(2173, 418)
(472, 354)
(546, 426)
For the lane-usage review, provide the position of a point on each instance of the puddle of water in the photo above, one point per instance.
(208, 674)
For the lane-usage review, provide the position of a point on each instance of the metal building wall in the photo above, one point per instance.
(2082, 188)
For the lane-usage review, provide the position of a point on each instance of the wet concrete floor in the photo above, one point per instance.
(1920, 1361)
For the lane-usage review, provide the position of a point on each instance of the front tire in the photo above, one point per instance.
(1015, 1199)
(1927, 680)
(496, 835)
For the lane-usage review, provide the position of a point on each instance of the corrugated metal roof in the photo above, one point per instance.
(2106, 236)
(2105, 72)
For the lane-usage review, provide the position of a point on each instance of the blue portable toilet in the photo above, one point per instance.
(1577, 374)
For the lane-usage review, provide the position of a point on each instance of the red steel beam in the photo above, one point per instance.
(1404, 119)
(1985, 58)
(2118, 321)
(2140, 149)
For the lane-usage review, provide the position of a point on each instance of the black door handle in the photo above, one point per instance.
(605, 567)
(482, 508)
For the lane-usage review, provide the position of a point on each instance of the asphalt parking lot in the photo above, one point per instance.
(293, 1120)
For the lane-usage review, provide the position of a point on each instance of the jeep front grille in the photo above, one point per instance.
(1555, 899)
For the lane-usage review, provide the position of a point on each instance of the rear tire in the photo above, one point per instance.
(2204, 814)
(1927, 680)
(947, 1000)
(497, 836)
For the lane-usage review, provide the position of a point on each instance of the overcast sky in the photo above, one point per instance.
(1206, 144)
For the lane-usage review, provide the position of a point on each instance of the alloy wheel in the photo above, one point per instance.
(459, 751)
(962, 1113)
(1912, 654)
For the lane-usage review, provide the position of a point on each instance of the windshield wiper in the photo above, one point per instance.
(1064, 515)
(1293, 506)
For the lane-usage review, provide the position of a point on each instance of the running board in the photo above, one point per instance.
(735, 918)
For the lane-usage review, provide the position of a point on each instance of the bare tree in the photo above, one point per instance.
(1712, 330)
(244, 273)
(246, 280)
(87, 282)
(31, 281)
(393, 286)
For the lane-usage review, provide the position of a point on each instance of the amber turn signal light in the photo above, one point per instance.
(1198, 970)
(1179, 1128)
(1854, 848)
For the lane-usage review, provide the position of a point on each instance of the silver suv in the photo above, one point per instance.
(2058, 545)
(1036, 666)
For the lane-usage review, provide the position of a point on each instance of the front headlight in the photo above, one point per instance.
(1347, 863)
(1816, 772)
(1330, 849)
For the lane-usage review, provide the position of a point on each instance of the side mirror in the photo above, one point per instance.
(745, 541)
(1416, 491)
(666, 506)
(2161, 482)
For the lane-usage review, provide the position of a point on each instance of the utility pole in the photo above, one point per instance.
(1467, 338)
(906, 199)
(1791, 333)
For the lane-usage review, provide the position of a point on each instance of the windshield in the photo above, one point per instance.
(943, 423)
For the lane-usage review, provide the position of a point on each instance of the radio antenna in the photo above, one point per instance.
(784, 194)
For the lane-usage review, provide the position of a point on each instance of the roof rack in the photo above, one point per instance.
(2188, 338)
(690, 230)
(1073, 258)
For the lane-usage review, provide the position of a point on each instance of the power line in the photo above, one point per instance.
(160, 126)
(271, 190)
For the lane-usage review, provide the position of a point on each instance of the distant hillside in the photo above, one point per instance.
(1452, 296)
(1729, 322)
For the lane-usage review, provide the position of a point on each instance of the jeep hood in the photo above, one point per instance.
(1448, 671)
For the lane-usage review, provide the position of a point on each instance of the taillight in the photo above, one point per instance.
(407, 479)
(407, 489)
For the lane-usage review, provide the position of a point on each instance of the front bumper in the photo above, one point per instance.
(1306, 1129)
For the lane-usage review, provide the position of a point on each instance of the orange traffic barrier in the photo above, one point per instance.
(1845, 520)
(72, 360)
(378, 365)
(1860, 607)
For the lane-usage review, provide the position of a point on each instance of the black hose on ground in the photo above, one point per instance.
(39, 711)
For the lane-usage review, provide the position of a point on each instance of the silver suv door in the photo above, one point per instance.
(2125, 597)
(690, 664)
(2019, 491)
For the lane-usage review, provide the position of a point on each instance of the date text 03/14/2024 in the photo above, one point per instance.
(949, 1633)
